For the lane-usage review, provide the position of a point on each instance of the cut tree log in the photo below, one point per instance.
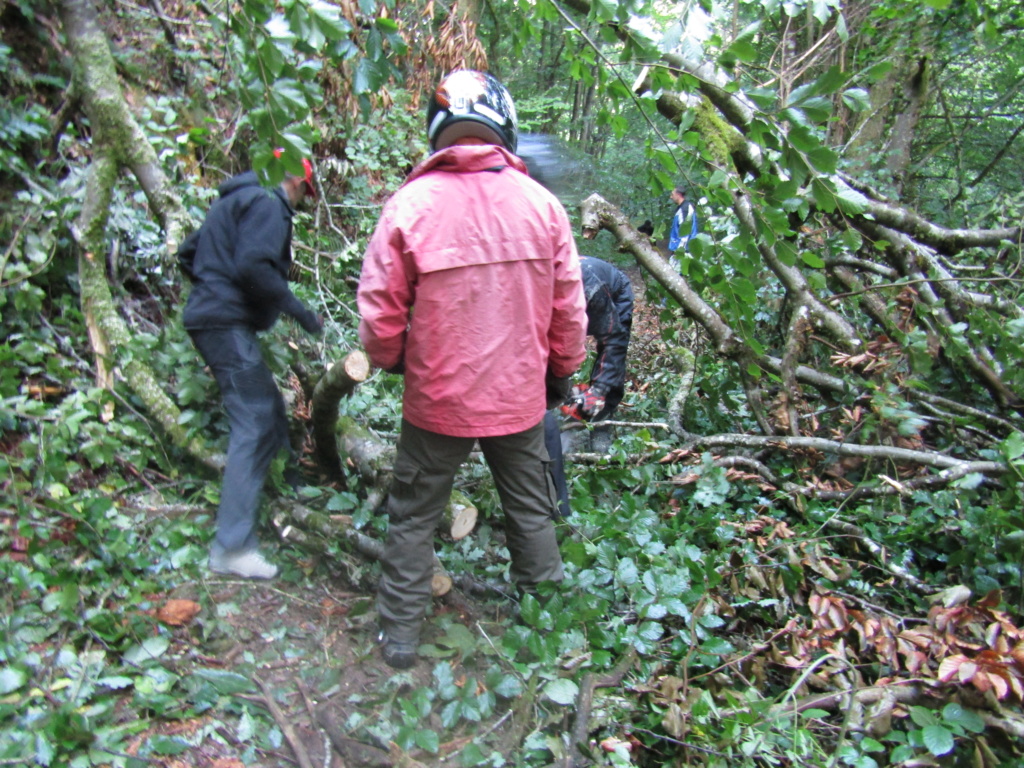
(460, 515)
(367, 454)
(310, 528)
(338, 382)
(370, 457)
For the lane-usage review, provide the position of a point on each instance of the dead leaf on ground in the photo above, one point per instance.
(177, 613)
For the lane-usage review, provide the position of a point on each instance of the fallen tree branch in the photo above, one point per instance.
(796, 284)
(575, 757)
(905, 691)
(887, 452)
(352, 751)
(876, 549)
(284, 724)
(330, 527)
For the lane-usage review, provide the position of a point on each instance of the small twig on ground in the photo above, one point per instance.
(575, 758)
(284, 725)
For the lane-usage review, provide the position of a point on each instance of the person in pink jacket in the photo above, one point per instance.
(471, 288)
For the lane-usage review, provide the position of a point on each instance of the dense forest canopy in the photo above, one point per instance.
(804, 545)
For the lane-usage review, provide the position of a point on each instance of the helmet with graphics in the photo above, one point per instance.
(471, 103)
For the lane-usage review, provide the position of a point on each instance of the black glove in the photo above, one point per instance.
(398, 368)
(311, 322)
(557, 389)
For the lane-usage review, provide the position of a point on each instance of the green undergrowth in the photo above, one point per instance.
(679, 581)
(688, 627)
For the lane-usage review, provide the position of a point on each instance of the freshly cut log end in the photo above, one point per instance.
(459, 515)
(356, 366)
(463, 521)
(440, 581)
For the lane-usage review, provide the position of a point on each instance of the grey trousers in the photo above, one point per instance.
(424, 472)
(259, 428)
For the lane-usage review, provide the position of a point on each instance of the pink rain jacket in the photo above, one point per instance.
(472, 279)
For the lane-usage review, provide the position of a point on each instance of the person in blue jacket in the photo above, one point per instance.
(238, 262)
(684, 224)
(609, 298)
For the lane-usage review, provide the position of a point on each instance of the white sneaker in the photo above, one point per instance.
(249, 565)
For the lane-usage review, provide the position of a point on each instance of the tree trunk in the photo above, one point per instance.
(339, 382)
(118, 142)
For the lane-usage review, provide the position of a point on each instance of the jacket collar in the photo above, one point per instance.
(468, 159)
(250, 179)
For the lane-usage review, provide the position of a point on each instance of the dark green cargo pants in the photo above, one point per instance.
(424, 471)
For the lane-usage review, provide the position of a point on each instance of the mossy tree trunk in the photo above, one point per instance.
(118, 144)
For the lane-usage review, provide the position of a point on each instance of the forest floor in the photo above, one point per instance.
(309, 646)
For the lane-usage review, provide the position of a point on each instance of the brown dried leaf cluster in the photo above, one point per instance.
(452, 45)
(879, 355)
(975, 645)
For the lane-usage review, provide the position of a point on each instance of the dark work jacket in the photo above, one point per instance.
(242, 255)
(609, 320)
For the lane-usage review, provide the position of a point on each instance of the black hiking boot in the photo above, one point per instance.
(398, 655)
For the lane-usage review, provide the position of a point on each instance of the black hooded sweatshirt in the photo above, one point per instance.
(609, 321)
(242, 256)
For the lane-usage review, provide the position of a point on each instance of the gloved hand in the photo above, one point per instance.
(585, 402)
(557, 389)
(311, 322)
(398, 368)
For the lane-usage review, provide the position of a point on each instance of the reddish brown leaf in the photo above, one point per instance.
(178, 612)
(992, 599)
(950, 666)
(999, 683)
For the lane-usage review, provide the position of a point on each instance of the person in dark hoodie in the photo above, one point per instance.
(609, 298)
(238, 262)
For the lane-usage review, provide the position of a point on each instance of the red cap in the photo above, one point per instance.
(307, 167)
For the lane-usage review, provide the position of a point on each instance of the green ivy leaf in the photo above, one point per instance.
(937, 739)
(812, 260)
(651, 631)
(225, 682)
(529, 610)
(851, 202)
(45, 750)
(11, 680)
(168, 745)
(1013, 446)
(814, 714)
(923, 716)
(289, 96)
(562, 691)
(966, 718)
(626, 573)
(115, 682)
(428, 740)
(716, 646)
(148, 650)
(857, 100)
(508, 687)
(330, 21)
